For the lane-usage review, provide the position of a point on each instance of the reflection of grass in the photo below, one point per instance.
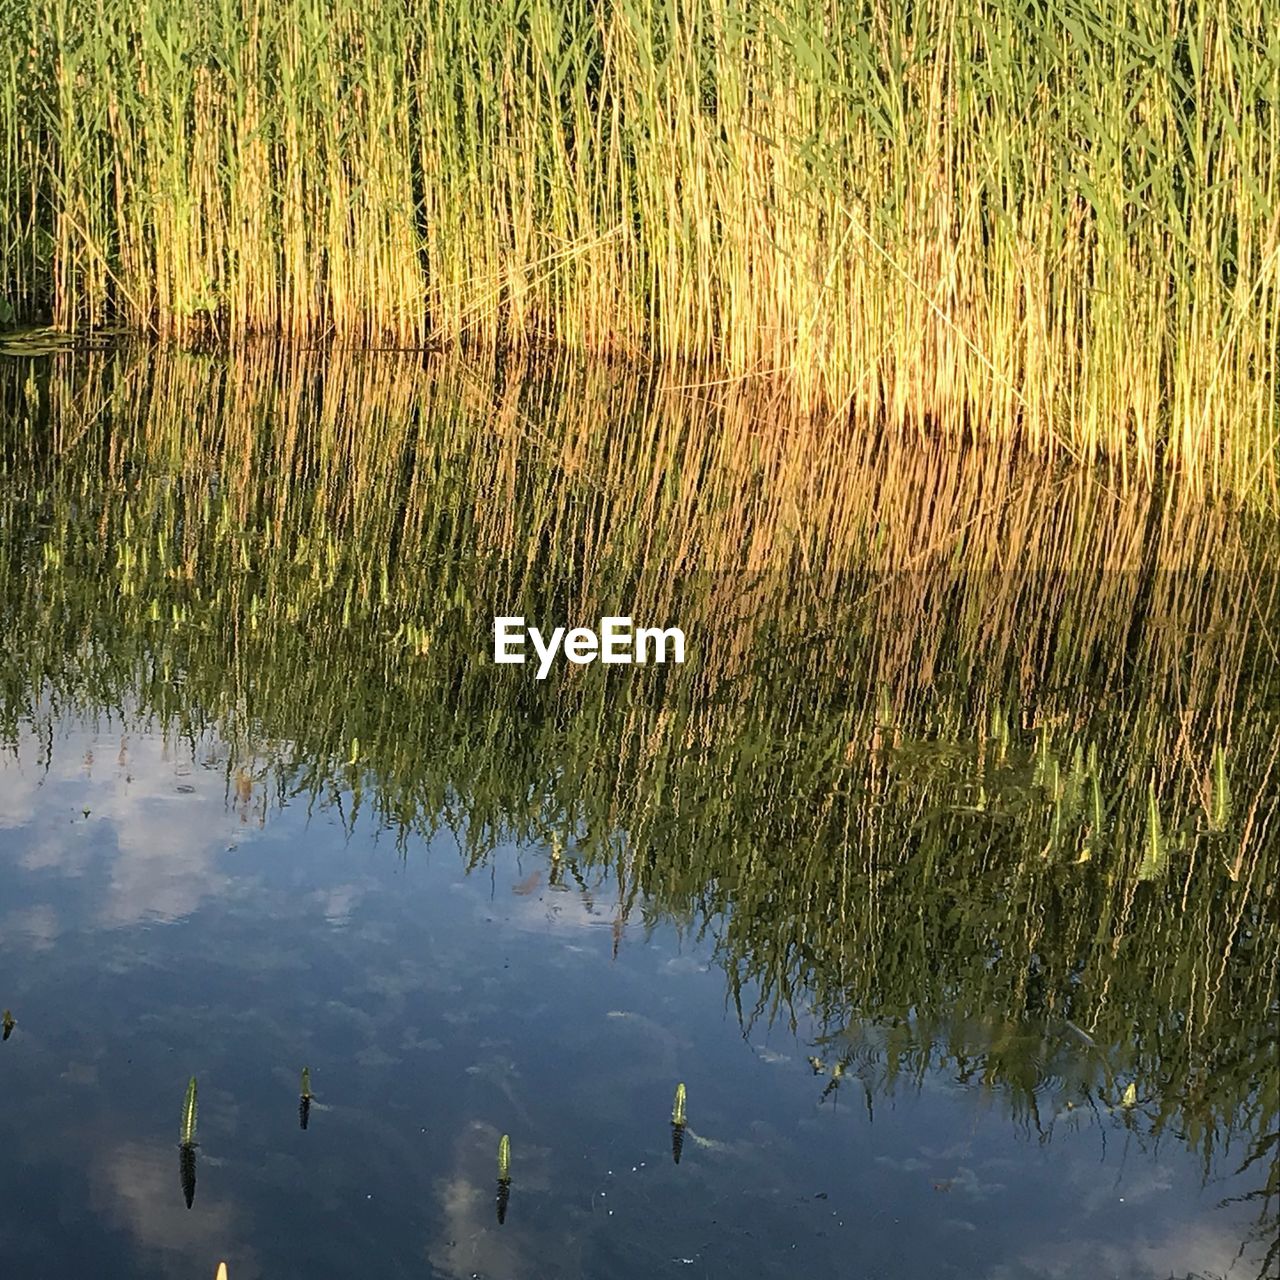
(896, 787)
(1045, 224)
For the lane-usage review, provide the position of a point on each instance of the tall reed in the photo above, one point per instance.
(1056, 221)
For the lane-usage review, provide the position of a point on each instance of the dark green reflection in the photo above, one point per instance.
(187, 1171)
(304, 1099)
(975, 760)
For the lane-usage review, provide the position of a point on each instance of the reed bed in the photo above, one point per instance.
(1054, 222)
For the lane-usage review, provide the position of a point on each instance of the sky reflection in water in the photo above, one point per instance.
(172, 930)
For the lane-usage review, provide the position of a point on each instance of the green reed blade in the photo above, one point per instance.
(189, 1114)
(1220, 808)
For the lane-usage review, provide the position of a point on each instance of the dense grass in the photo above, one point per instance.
(1053, 220)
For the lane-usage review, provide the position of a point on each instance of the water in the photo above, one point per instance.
(921, 873)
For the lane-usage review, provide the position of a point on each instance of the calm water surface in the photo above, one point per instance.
(939, 874)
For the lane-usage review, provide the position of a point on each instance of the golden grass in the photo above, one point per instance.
(1054, 223)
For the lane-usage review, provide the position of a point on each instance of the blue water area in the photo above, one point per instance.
(161, 917)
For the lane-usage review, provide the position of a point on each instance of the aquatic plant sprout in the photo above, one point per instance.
(189, 1115)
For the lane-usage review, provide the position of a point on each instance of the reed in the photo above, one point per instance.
(1055, 223)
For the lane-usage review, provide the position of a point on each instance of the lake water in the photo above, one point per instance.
(940, 874)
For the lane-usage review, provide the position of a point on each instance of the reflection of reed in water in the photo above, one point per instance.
(304, 1100)
(1028, 757)
(187, 1171)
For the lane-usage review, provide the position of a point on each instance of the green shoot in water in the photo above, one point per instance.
(1220, 807)
(677, 1123)
(1154, 847)
(189, 1115)
(306, 1082)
